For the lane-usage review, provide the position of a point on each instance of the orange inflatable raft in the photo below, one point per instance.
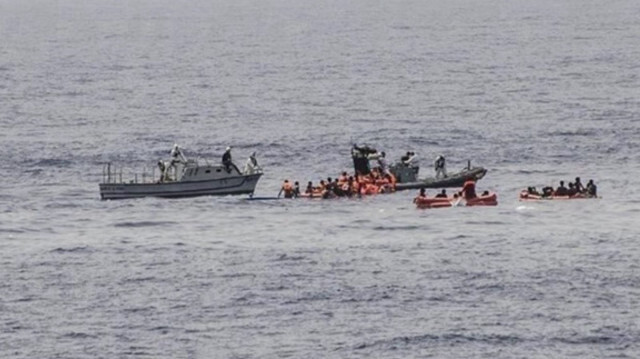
(490, 199)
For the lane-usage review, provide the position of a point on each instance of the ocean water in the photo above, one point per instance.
(535, 91)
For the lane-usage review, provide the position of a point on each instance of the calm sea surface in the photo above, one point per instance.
(535, 91)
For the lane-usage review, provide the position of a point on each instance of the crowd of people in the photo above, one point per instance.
(575, 188)
(345, 185)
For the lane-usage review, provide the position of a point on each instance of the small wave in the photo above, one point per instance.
(142, 224)
(52, 162)
(78, 335)
(577, 133)
(395, 228)
(494, 339)
(83, 249)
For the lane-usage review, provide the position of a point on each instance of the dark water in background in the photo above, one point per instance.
(534, 91)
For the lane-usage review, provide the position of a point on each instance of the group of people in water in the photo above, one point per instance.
(575, 188)
(345, 185)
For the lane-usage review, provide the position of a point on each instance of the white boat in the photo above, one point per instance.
(181, 178)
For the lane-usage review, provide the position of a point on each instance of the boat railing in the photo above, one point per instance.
(112, 174)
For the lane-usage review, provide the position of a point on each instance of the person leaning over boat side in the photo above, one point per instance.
(441, 167)
(287, 188)
(592, 189)
(412, 161)
(251, 166)
(382, 162)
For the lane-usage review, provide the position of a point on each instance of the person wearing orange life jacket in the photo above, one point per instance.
(469, 189)
(287, 188)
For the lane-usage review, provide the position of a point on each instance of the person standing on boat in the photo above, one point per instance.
(441, 167)
(226, 160)
(176, 157)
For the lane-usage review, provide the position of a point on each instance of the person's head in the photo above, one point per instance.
(382, 154)
(350, 179)
(228, 149)
(577, 179)
(310, 184)
(422, 191)
(590, 181)
(296, 183)
(444, 191)
(344, 173)
(329, 179)
(286, 181)
(570, 184)
(561, 183)
(408, 153)
(413, 153)
(455, 195)
(322, 182)
(253, 154)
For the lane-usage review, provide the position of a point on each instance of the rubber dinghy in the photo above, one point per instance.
(407, 174)
(490, 199)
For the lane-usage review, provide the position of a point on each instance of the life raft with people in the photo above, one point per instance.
(575, 191)
(466, 197)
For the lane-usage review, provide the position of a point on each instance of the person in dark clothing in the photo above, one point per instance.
(309, 189)
(547, 191)
(227, 162)
(562, 190)
(579, 187)
(592, 189)
(296, 189)
(442, 194)
(423, 194)
(572, 190)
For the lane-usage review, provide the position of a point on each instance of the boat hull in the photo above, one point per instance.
(245, 184)
(453, 180)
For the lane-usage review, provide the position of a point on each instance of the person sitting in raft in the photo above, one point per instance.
(309, 189)
(547, 191)
(296, 189)
(533, 190)
(442, 194)
(422, 194)
(562, 190)
(579, 187)
(592, 189)
(572, 190)
(343, 178)
(405, 158)
(287, 188)
(469, 189)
